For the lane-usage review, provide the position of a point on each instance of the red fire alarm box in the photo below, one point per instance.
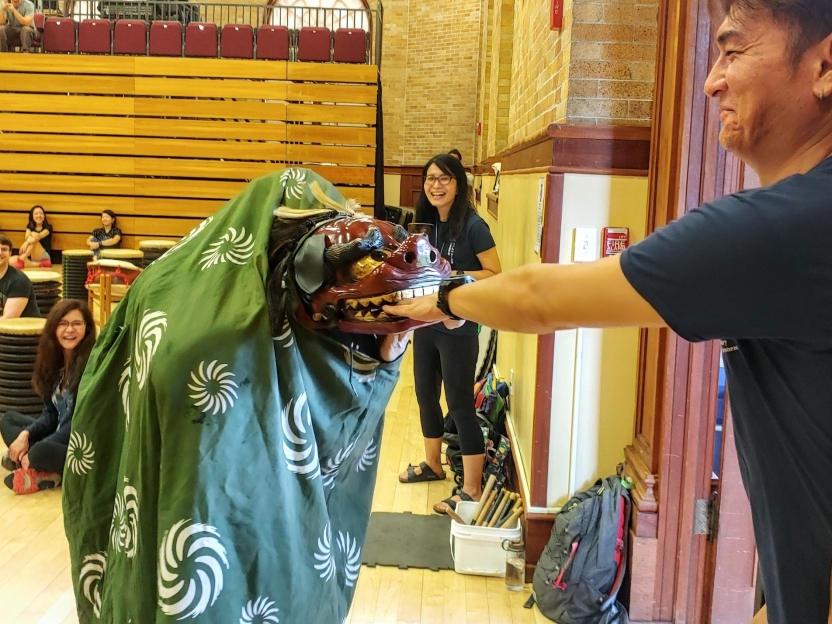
(616, 240)
(556, 15)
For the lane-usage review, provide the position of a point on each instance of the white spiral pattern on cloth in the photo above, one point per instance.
(93, 569)
(332, 466)
(263, 609)
(186, 239)
(325, 555)
(367, 457)
(124, 528)
(151, 329)
(286, 338)
(352, 557)
(80, 455)
(232, 247)
(190, 597)
(299, 446)
(213, 388)
(124, 388)
(293, 180)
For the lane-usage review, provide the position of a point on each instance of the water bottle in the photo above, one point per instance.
(515, 564)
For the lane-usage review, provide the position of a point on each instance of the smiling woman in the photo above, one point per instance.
(38, 447)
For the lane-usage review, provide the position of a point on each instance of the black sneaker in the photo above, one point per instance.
(8, 464)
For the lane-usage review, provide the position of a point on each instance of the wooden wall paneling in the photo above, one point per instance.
(120, 204)
(177, 138)
(330, 72)
(63, 241)
(329, 134)
(332, 113)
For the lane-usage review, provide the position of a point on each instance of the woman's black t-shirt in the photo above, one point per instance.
(474, 239)
(46, 241)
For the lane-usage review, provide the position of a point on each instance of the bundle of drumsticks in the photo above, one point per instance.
(495, 509)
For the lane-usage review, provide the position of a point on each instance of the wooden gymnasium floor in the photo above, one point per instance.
(36, 586)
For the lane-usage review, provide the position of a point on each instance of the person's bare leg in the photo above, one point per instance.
(472, 486)
(433, 458)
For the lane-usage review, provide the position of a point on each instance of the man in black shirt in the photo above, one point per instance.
(753, 269)
(17, 295)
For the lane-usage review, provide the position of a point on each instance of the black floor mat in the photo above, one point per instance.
(406, 540)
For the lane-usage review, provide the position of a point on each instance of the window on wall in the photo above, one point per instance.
(332, 14)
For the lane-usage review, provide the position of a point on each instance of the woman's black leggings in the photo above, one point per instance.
(44, 456)
(438, 357)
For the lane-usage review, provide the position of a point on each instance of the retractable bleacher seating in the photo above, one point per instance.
(59, 35)
(273, 43)
(349, 46)
(94, 36)
(237, 41)
(130, 37)
(165, 38)
(201, 39)
(314, 44)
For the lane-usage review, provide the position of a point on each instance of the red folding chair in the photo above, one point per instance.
(201, 39)
(273, 43)
(59, 35)
(314, 44)
(237, 41)
(130, 37)
(350, 46)
(94, 36)
(165, 38)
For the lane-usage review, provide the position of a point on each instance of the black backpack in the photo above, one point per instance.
(578, 576)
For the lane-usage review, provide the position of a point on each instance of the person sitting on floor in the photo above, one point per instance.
(17, 295)
(38, 448)
(16, 25)
(107, 236)
(36, 250)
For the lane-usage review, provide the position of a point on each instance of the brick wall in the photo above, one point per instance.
(502, 51)
(612, 62)
(430, 86)
(540, 70)
(484, 95)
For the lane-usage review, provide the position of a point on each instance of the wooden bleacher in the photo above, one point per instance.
(164, 142)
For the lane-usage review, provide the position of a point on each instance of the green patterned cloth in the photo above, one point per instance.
(217, 473)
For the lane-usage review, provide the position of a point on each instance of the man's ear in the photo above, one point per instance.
(823, 77)
(309, 264)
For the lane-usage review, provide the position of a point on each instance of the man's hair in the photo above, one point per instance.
(456, 152)
(810, 21)
(5, 240)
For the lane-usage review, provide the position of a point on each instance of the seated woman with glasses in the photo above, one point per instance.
(38, 447)
(447, 352)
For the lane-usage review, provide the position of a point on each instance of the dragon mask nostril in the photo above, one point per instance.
(410, 257)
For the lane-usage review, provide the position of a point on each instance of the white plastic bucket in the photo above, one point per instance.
(479, 550)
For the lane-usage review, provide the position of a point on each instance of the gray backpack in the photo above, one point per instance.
(578, 576)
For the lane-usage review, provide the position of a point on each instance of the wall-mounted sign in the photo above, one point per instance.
(616, 240)
(556, 15)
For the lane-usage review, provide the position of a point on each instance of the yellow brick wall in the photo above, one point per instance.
(502, 51)
(430, 82)
(484, 95)
(539, 71)
(612, 64)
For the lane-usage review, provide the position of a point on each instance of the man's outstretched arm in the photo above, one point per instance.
(539, 299)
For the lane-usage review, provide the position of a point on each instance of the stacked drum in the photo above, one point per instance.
(47, 288)
(75, 273)
(134, 256)
(153, 249)
(19, 339)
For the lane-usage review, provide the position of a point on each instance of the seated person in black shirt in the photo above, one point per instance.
(37, 247)
(17, 295)
(107, 236)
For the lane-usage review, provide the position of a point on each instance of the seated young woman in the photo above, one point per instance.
(107, 236)
(37, 247)
(38, 447)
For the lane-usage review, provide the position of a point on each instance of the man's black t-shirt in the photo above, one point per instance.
(15, 284)
(474, 239)
(755, 270)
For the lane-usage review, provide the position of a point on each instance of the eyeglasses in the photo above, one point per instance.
(444, 180)
(64, 325)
